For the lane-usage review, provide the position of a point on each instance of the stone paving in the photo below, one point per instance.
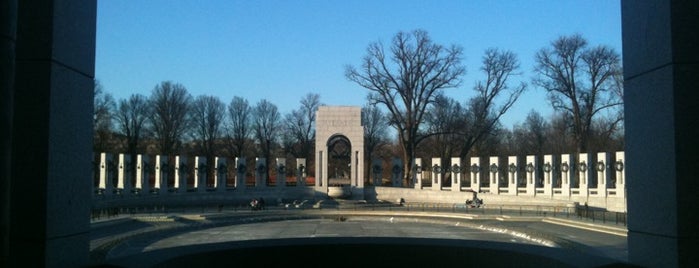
(128, 235)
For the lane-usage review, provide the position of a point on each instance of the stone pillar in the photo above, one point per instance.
(436, 174)
(47, 53)
(584, 174)
(455, 174)
(260, 172)
(602, 175)
(157, 183)
(494, 169)
(139, 173)
(301, 172)
(200, 180)
(548, 175)
(240, 170)
(181, 173)
(102, 186)
(620, 183)
(321, 178)
(220, 174)
(476, 172)
(418, 174)
(358, 167)
(376, 172)
(566, 170)
(661, 64)
(121, 170)
(512, 172)
(281, 172)
(531, 175)
(397, 173)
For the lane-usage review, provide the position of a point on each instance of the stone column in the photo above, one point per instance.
(260, 172)
(157, 184)
(139, 174)
(220, 174)
(548, 175)
(321, 178)
(181, 173)
(619, 166)
(531, 175)
(437, 174)
(455, 174)
(566, 170)
(281, 172)
(121, 170)
(661, 64)
(124, 174)
(494, 170)
(476, 172)
(512, 172)
(583, 173)
(102, 186)
(301, 172)
(602, 167)
(357, 173)
(418, 174)
(397, 172)
(47, 93)
(240, 170)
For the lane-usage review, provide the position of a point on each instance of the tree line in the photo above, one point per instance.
(405, 84)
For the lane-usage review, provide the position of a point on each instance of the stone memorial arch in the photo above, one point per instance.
(339, 145)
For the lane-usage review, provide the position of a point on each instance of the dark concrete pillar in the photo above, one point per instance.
(661, 67)
(8, 38)
(51, 128)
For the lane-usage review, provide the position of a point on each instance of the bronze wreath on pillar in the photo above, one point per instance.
(619, 166)
(547, 167)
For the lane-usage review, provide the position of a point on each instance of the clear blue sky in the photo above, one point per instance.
(281, 50)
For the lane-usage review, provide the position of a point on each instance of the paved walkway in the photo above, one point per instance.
(122, 236)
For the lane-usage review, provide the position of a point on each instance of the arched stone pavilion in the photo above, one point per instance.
(339, 148)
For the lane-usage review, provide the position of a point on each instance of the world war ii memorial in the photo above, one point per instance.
(67, 206)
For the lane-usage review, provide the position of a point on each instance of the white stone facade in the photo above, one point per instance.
(346, 121)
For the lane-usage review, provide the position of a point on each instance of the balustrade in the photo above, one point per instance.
(578, 177)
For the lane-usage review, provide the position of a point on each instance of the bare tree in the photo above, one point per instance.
(445, 120)
(535, 129)
(375, 129)
(208, 114)
(266, 125)
(239, 120)
(483, 113)
(580, 81)
(407, 81)
(559, 140)
(131, 118)
(171, 104)
(300, 126)
(102, 119)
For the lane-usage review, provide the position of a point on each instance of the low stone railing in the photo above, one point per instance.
(594, 179)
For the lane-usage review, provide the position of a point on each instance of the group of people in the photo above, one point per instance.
(256, 204)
